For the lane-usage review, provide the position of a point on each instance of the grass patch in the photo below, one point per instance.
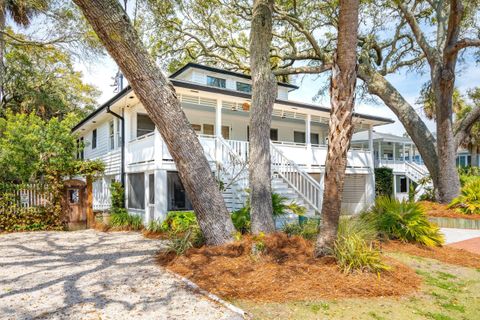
(448, 292)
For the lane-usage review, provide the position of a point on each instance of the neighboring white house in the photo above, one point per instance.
(217, 104)
(400, 154)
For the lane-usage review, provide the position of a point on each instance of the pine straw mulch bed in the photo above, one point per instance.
(434, 209)
(285, 271)
(443, 254)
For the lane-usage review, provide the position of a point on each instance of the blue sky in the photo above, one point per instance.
(100, 74)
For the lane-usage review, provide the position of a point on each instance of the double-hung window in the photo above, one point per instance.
(216, 82)
(244, 87)
(111, 134)
(144, 125)
(94, 139)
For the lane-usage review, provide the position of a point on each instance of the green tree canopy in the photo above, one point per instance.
(42, 79)
(32, 148)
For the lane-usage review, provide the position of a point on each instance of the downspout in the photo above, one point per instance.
(122, 166)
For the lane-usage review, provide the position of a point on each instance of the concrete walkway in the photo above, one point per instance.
(456, 235)
(93, 275)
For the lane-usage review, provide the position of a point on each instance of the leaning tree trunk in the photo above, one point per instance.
(413, 124)
(448, 182)
(2, 52)
(156, 93)
(342, 97)
(263, 98)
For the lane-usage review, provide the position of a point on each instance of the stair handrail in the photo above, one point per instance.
(303, 184)
(415, 171)
(241, 176)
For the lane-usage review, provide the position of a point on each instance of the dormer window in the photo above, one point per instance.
(216, 82)
(244, 87)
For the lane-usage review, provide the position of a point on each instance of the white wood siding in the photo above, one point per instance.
(111, 158)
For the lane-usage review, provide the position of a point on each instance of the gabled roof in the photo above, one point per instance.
(222, 71)
(197, 86)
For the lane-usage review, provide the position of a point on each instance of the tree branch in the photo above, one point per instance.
(417, 32)
(461, 44)
(462, 129)
(305, 70)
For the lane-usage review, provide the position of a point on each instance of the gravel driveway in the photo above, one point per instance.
(93, 275)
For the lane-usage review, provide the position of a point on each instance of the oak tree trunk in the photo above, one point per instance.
(448, 183)
(264, 93)
(2, 52)
(342, 97)
(113, 27)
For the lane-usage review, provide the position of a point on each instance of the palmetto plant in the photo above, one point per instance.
(403, 220)
(468, 202)
(354, 247)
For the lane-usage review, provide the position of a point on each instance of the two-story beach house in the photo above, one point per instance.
(217, 103)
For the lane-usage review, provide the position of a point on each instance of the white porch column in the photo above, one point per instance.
(394, 185)
(218, 118)
(146, 216)
(380, 155)
(403, 151)
(158, 149)
(370, 145)
(370, 189)
(161, 194)
(218, 128)
(410, 156)
(394, 153)
(308, 140)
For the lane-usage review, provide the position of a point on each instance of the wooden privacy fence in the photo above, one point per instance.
(24, 196)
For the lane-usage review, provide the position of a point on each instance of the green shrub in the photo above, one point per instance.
(121, 219)
(402, 220)
(156, 226)
(354, 249)
(308, 229)
(468, 202)
(241, 217)
(383, 181)
(180, 242)
(179, 221)
(117, 196)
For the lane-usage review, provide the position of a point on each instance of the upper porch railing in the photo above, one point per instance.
(142, 150)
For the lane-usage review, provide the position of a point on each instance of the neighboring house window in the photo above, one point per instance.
(145, 125)
(111, 133)
(244, 87)
(94, 139)
(136, 190)
(216, 82)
